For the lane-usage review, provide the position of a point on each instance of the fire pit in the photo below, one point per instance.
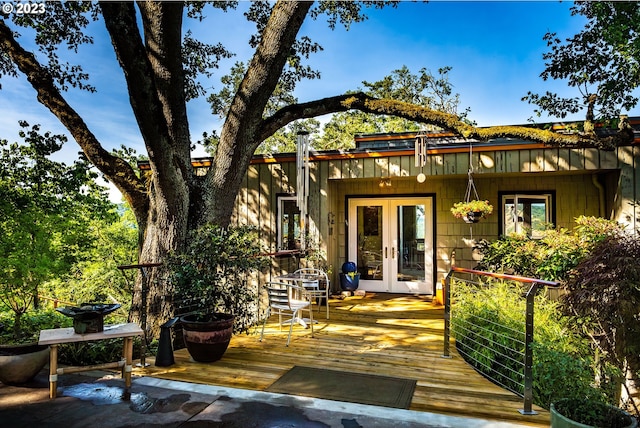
(88, 317)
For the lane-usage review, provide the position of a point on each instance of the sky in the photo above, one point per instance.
(494, 48)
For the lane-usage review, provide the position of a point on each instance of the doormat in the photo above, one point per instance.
(346, 386)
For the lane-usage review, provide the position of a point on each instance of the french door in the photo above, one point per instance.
(391, 241)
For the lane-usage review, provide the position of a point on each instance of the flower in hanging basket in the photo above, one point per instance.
(476, 208)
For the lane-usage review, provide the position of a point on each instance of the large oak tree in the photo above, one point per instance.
(160, 62)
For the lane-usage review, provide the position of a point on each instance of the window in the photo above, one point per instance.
(288, 223)
(529, 213)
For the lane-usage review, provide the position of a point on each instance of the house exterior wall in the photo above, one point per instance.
(585, 181)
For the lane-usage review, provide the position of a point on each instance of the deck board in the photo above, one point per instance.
(383, 334)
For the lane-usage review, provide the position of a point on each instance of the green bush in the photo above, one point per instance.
(553, 256)
(493, 315)
(214, 273)
(592, 413)
(31, 324)
(97, 352)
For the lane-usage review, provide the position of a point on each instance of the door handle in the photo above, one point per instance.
(393, 252)
(386, 254)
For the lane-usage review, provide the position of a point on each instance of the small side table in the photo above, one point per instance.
(56, 336)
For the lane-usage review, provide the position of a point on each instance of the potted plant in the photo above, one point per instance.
(472, 211)
(350, 277)
(583, 413)
(211, 287)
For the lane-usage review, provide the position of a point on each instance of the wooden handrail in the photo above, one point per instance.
(55, 301)
(139, 266)
(506, 276)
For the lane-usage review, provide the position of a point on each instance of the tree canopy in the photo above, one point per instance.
(164, 67)
(601, 62)
(45, 211)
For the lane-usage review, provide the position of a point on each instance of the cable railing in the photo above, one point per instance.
(502, 353)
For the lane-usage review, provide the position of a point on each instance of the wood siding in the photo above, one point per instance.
(575, 175)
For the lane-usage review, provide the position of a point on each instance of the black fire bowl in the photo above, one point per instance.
(88, 317)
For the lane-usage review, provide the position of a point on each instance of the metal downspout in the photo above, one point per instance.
(594, 180)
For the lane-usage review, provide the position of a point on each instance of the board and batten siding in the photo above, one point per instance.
(585, 181)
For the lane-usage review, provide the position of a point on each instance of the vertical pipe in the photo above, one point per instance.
(528, 352)
(601, 207)
(143, 317)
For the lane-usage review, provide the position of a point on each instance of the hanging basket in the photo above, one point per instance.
(472, 217)
(471, 211)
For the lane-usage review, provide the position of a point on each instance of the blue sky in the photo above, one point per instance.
(495, 49)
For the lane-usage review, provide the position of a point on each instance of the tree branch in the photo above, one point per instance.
(117, 170)
(166, 136)
(120, 20)
(450, 122)
(244, 118)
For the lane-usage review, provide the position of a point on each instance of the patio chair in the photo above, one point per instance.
(373, 262)
(314, 286)
(288, 299)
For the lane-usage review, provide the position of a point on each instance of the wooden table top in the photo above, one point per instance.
(68, 335)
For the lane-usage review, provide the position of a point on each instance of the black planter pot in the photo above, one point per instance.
(21, 363)
(472, 217)
(207, 336)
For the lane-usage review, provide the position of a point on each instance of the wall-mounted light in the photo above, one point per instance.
(385, 182)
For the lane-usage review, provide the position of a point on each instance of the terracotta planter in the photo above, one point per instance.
(21, 363)
(207, 336)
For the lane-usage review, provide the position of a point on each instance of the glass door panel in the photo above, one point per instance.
(370, 230)
(411, 225)
(368, 233)
(412, 243)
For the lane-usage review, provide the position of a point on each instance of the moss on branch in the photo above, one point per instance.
(453, 123)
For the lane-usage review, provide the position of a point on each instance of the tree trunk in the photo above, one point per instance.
(631, 390)
(17, 324)
(155, 81)
(241, 132)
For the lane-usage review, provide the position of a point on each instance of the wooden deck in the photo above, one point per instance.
(391, 335)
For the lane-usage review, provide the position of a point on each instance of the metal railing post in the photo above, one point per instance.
(528, 353)
(447, 314)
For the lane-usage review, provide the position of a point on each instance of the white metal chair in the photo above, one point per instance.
(373, 262)
(314, 287)
(288, 299)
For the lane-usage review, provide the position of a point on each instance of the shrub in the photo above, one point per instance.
(551, 257)
(493, 315)
(213, 273)
(592, 413)
(31, 324)
(99, 352)
(603, 295)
